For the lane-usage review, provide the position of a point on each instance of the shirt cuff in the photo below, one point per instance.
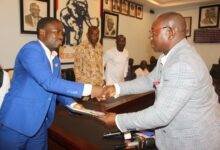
(117, 90)
(73, 104)
(116, 122)
(87, 90)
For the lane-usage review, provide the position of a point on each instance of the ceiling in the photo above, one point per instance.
(176, 3)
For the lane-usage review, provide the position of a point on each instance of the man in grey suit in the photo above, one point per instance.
(185, 114)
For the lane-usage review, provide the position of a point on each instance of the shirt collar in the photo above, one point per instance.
(164, 57)
(50, 55)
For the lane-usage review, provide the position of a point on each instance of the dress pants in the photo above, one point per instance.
(13, 140)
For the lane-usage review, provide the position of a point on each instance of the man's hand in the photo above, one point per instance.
(108, 119)
(97, 91)
(78, 106)
(109, 91)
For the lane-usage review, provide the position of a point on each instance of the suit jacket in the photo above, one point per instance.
(34, 90)
(185, 112)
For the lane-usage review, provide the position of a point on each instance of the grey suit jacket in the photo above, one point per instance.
(186, 111)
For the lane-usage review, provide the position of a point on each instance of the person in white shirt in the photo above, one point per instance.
(4, 84)
(116, 62)
(142, 70)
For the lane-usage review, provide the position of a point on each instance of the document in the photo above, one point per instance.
(85, 111)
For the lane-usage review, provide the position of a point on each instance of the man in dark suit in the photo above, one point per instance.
(28, 108)
(34, 16)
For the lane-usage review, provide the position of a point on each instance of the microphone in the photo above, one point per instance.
(110, 134)
(126, 135)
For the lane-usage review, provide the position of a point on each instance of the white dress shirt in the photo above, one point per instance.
(116, 63)
(5, 86)
(51, 55)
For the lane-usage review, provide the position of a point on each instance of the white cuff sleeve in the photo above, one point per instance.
(117, 90)
(87, 90)
(116, 122)
(73, 104)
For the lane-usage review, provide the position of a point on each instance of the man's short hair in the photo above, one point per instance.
(43, 22)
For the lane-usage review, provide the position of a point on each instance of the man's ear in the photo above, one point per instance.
(41, 33)
(171, 32)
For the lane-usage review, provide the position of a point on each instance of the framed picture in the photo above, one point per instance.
(209, 16)
(110, 27)
(132, 9)
(77, 16)
(116, 5)
(107, 5)
(124, 7)
(188, 26)
(31, 11)
(66, 54)
(139, 11)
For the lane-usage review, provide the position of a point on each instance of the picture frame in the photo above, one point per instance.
(30, 9)
(132, 9)
(209, 16)
(66, 54)
(107, 5)
(124, 7)
(188, 26)
(116, 6)
(139, 11)
(110, 25)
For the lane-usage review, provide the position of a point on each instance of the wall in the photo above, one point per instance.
(210, 52)
(134, 29)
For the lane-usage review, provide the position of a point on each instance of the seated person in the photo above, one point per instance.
(215, 70)
(153, 62)
(4, 84)
(142, 70)
(130, 73)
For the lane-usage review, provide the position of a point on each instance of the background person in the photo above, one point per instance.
(116, 62)
(88, 65)
(142, 69)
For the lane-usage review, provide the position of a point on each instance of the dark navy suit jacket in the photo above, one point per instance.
(31, 99)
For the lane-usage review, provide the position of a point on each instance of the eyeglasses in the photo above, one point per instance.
(154, 32)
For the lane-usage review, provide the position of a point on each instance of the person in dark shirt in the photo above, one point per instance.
(215, 70)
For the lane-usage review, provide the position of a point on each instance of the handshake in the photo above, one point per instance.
(103, 93)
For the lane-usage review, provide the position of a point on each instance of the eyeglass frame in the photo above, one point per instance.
(152, 32)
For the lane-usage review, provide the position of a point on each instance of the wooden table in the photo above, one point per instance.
(74, 131)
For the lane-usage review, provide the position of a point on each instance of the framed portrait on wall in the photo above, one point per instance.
(31, 11)
(110, 26)
(116, 6)
(188, 26)
(139, 11)
(107, 5)
(124, 7)
(132, 9)
(209, 16)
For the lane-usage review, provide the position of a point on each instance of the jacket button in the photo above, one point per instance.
(164, 131)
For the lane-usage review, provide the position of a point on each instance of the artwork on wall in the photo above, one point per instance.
(110, 27)
(124, 7)
(139, 11)
(31, 11)
(107, 5)
(74, 15)
(132, 9)
(188, 26)
(116, 6)
(209, 16)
